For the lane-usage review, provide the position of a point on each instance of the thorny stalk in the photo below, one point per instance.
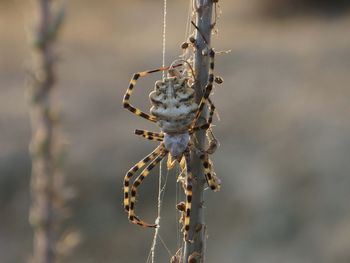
(47, 187)
(194, 246)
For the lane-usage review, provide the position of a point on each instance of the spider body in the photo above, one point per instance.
(176, 113)
(173, 104)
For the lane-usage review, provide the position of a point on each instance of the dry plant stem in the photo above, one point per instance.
(194, 246)
(46, 151)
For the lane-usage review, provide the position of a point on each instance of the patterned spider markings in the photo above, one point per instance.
(176, 113)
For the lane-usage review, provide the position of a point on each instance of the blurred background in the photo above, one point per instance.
(284, 129)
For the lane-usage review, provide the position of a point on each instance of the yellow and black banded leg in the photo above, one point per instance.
(126, 103)
(133, 170)
(211, 112)
(188, 194)
(153, 136)
(210, 119)
(132, 217)
(209, 86)
(209, 173)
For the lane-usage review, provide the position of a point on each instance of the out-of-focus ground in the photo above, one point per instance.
(284, 132)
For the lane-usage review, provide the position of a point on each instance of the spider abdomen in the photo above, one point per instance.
(173, 104)
(176, 143)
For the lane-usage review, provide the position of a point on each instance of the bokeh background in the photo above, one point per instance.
(284, 129)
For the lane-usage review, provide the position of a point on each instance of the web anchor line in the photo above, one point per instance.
(160, 188)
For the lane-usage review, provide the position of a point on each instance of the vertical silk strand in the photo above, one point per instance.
(164, 35)
(161, 168)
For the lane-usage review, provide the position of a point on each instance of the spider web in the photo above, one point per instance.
(162, 163)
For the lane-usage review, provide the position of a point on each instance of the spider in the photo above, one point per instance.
(176, 113)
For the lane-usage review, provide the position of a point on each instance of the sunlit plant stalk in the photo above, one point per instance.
(194, 248)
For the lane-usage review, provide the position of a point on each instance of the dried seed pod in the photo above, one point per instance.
(181, 206)
(184, 45)
(198, 227)
(175, 259)
(213, 144)
(192, 39)
(194, 257)
(219, 80)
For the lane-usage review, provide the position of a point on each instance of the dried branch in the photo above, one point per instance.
(48, 196)
(194, 247)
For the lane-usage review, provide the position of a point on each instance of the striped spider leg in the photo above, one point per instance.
(154, 158)
(208, 123)
(152, 136)
(188, 192)
(132, 84)
(150, 157)
(208, 87)
(132, 172)
(212, 180)
(132, 217)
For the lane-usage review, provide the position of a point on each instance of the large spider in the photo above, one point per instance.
(176, 113)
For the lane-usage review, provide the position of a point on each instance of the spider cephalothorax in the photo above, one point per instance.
(176, 113)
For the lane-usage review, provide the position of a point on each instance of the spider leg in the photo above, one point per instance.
(126, 103)
(132, 217)
(208, 87)
(188, 193)
(210, 119)
(153, 136)
(148, 133)
(212, 180)
(211, 112)
(133, 170)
